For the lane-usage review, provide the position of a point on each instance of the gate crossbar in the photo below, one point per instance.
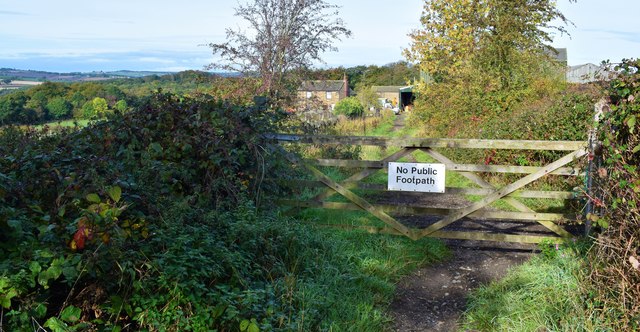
(367, 172)
(361, 202)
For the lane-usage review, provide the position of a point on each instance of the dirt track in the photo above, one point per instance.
(434, 298)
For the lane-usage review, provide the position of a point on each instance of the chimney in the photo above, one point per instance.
(346, 85)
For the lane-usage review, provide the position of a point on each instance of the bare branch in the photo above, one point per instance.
(282, 36)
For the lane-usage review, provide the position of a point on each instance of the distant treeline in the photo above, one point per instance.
(52, 101)
(396, 73)
(58, 101)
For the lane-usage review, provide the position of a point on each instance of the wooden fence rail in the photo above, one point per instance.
(411, 142)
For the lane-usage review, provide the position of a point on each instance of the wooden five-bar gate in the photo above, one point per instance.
(573, 151)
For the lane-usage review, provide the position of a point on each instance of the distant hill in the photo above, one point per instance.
(36, 75)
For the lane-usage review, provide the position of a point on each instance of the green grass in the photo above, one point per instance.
(543, 294)
(383, 129)
(380, 261)
(65, 124)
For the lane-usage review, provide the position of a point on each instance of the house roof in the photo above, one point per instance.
(408, 88)
(386, 88)
(322, 85)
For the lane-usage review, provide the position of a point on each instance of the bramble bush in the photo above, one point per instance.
(616, 269)
(153, 220)
(83, 213)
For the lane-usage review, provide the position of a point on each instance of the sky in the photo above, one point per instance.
(168, 35)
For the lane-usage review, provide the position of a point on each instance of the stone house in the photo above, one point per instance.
(325, 92)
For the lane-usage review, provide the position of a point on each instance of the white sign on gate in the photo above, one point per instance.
(427, 178)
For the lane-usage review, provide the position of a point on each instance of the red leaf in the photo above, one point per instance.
(79, 237)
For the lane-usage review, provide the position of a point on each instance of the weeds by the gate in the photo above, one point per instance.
(379, 262)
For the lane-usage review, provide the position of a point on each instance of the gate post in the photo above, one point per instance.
(589, 208)
(595, 153)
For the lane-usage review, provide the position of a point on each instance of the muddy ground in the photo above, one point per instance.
(434, 297)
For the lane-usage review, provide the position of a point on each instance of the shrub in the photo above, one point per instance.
(59, 108)
(350, 106)
(97, 108)
(81, 212)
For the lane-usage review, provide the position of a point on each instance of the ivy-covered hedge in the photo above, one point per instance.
(616, 261)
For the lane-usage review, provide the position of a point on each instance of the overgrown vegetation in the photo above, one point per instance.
(86, 217)
(616, 259)
(486, 60)
(150, 221)
(350, 106)
(485, 56)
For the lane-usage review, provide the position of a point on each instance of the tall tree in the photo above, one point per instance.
(485, 58)
(283, 35)
(12, 107)
(59, 107)
(484, 34)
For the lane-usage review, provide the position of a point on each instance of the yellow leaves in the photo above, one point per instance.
(105, 238)
(447, 37)
(457, 33)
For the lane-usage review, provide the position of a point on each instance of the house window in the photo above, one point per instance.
(329, 95)
(309, 94)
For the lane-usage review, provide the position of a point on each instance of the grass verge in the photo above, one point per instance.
(359, 298)
(377, 262)
(544, 294)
